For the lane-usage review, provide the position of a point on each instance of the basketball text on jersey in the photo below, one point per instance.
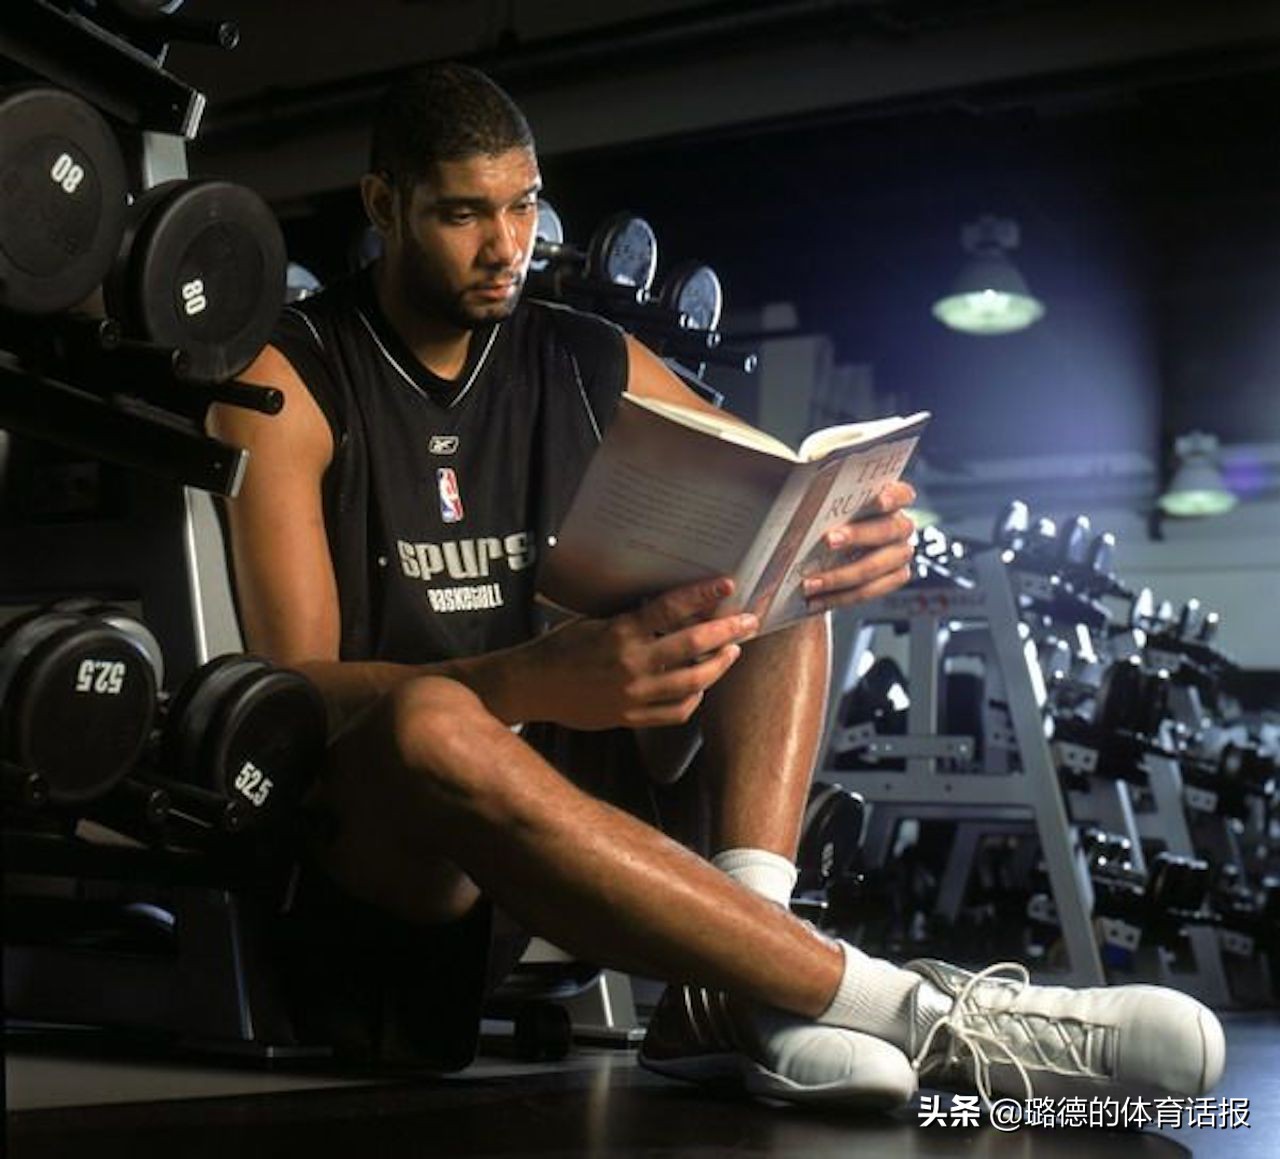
(466, 559)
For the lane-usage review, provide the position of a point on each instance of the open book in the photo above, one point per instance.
(675, 495)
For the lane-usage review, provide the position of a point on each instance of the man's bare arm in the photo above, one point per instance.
(648, 667)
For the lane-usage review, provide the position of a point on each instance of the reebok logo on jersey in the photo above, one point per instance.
(443, 445)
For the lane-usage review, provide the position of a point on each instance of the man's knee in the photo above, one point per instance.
(428, 717)
(443, 737)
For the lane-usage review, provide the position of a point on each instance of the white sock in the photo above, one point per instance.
(770, 875)
(876, 996)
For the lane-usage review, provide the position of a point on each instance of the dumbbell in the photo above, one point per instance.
(1093, 572)
(117, 617)
(1177, 884)
(549, 247)
(63, 195)
(1106, 854)
(201, 270)
(1033, 543)
(624, 252)
(77, 701)
(1012, 524)
(693, 291)
(299, 283)
(617, 267)
(876, 705)
(1074, 538)
(1225, 785)
(830, 837)
(239, 743)
(939, 548)
(1131, 700)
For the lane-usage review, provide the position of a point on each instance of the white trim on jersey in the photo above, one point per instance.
(309, 324)
(400, 370)
(582, 394)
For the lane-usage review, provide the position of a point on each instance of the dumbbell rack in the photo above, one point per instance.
(981, 801)
(1006, 796)
(1110, 805)
(152, 544)
(213, 985)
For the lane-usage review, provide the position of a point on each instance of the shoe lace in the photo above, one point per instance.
(969, 1024)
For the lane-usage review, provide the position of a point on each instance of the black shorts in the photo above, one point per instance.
(381, 989)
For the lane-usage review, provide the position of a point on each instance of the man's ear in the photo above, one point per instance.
(379, 197)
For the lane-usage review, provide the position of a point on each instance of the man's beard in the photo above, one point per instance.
(426, 293)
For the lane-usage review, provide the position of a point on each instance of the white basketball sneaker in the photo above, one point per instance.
(1008, 1037)
(701, 1036)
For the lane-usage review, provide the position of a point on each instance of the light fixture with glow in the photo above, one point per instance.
(1197, 487)
(990, 296)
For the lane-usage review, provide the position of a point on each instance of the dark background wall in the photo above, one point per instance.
(1135, 145)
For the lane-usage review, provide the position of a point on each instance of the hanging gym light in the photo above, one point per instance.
(990, 296)
(1197, 487)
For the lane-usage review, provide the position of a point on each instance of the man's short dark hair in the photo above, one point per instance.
(442, 112)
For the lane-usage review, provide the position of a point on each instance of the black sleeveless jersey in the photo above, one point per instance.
(441, 494)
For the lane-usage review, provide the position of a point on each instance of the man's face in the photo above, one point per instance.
(465, 236)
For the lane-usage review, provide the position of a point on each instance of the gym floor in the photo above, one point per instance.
(65, 1100)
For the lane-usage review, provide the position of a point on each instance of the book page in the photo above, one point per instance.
(721, 426)
(661, 505)
(821, 443)
(838, 489)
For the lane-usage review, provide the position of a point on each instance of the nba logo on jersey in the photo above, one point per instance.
(450, 496)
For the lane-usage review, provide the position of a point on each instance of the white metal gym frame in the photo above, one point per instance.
(1002, 798)
(1015, 796)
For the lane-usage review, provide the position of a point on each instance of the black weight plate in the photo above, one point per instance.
(624, 251)
(79, 710)
(266, 741)
(62, 200)
(1190, 620)
(1012, 524)
(831, 835)
(20, 635)
(550, 230)
(695, 290)
(1074, 539)
(1121, 696)
(206, 274)
(1143, 610)
(1102, 553)
(142, 636)
(191, 710)
(300, 282)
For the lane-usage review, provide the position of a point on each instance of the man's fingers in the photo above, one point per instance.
(689, 644)
(689, 680)
(860, 572)
(664, 715)
(890, 581)
(674, 609)
(874, 532)
(895, 496)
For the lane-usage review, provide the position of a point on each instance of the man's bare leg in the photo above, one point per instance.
(762, 724)
(429, 774)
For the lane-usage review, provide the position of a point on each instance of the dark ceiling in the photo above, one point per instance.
(1147, 185)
